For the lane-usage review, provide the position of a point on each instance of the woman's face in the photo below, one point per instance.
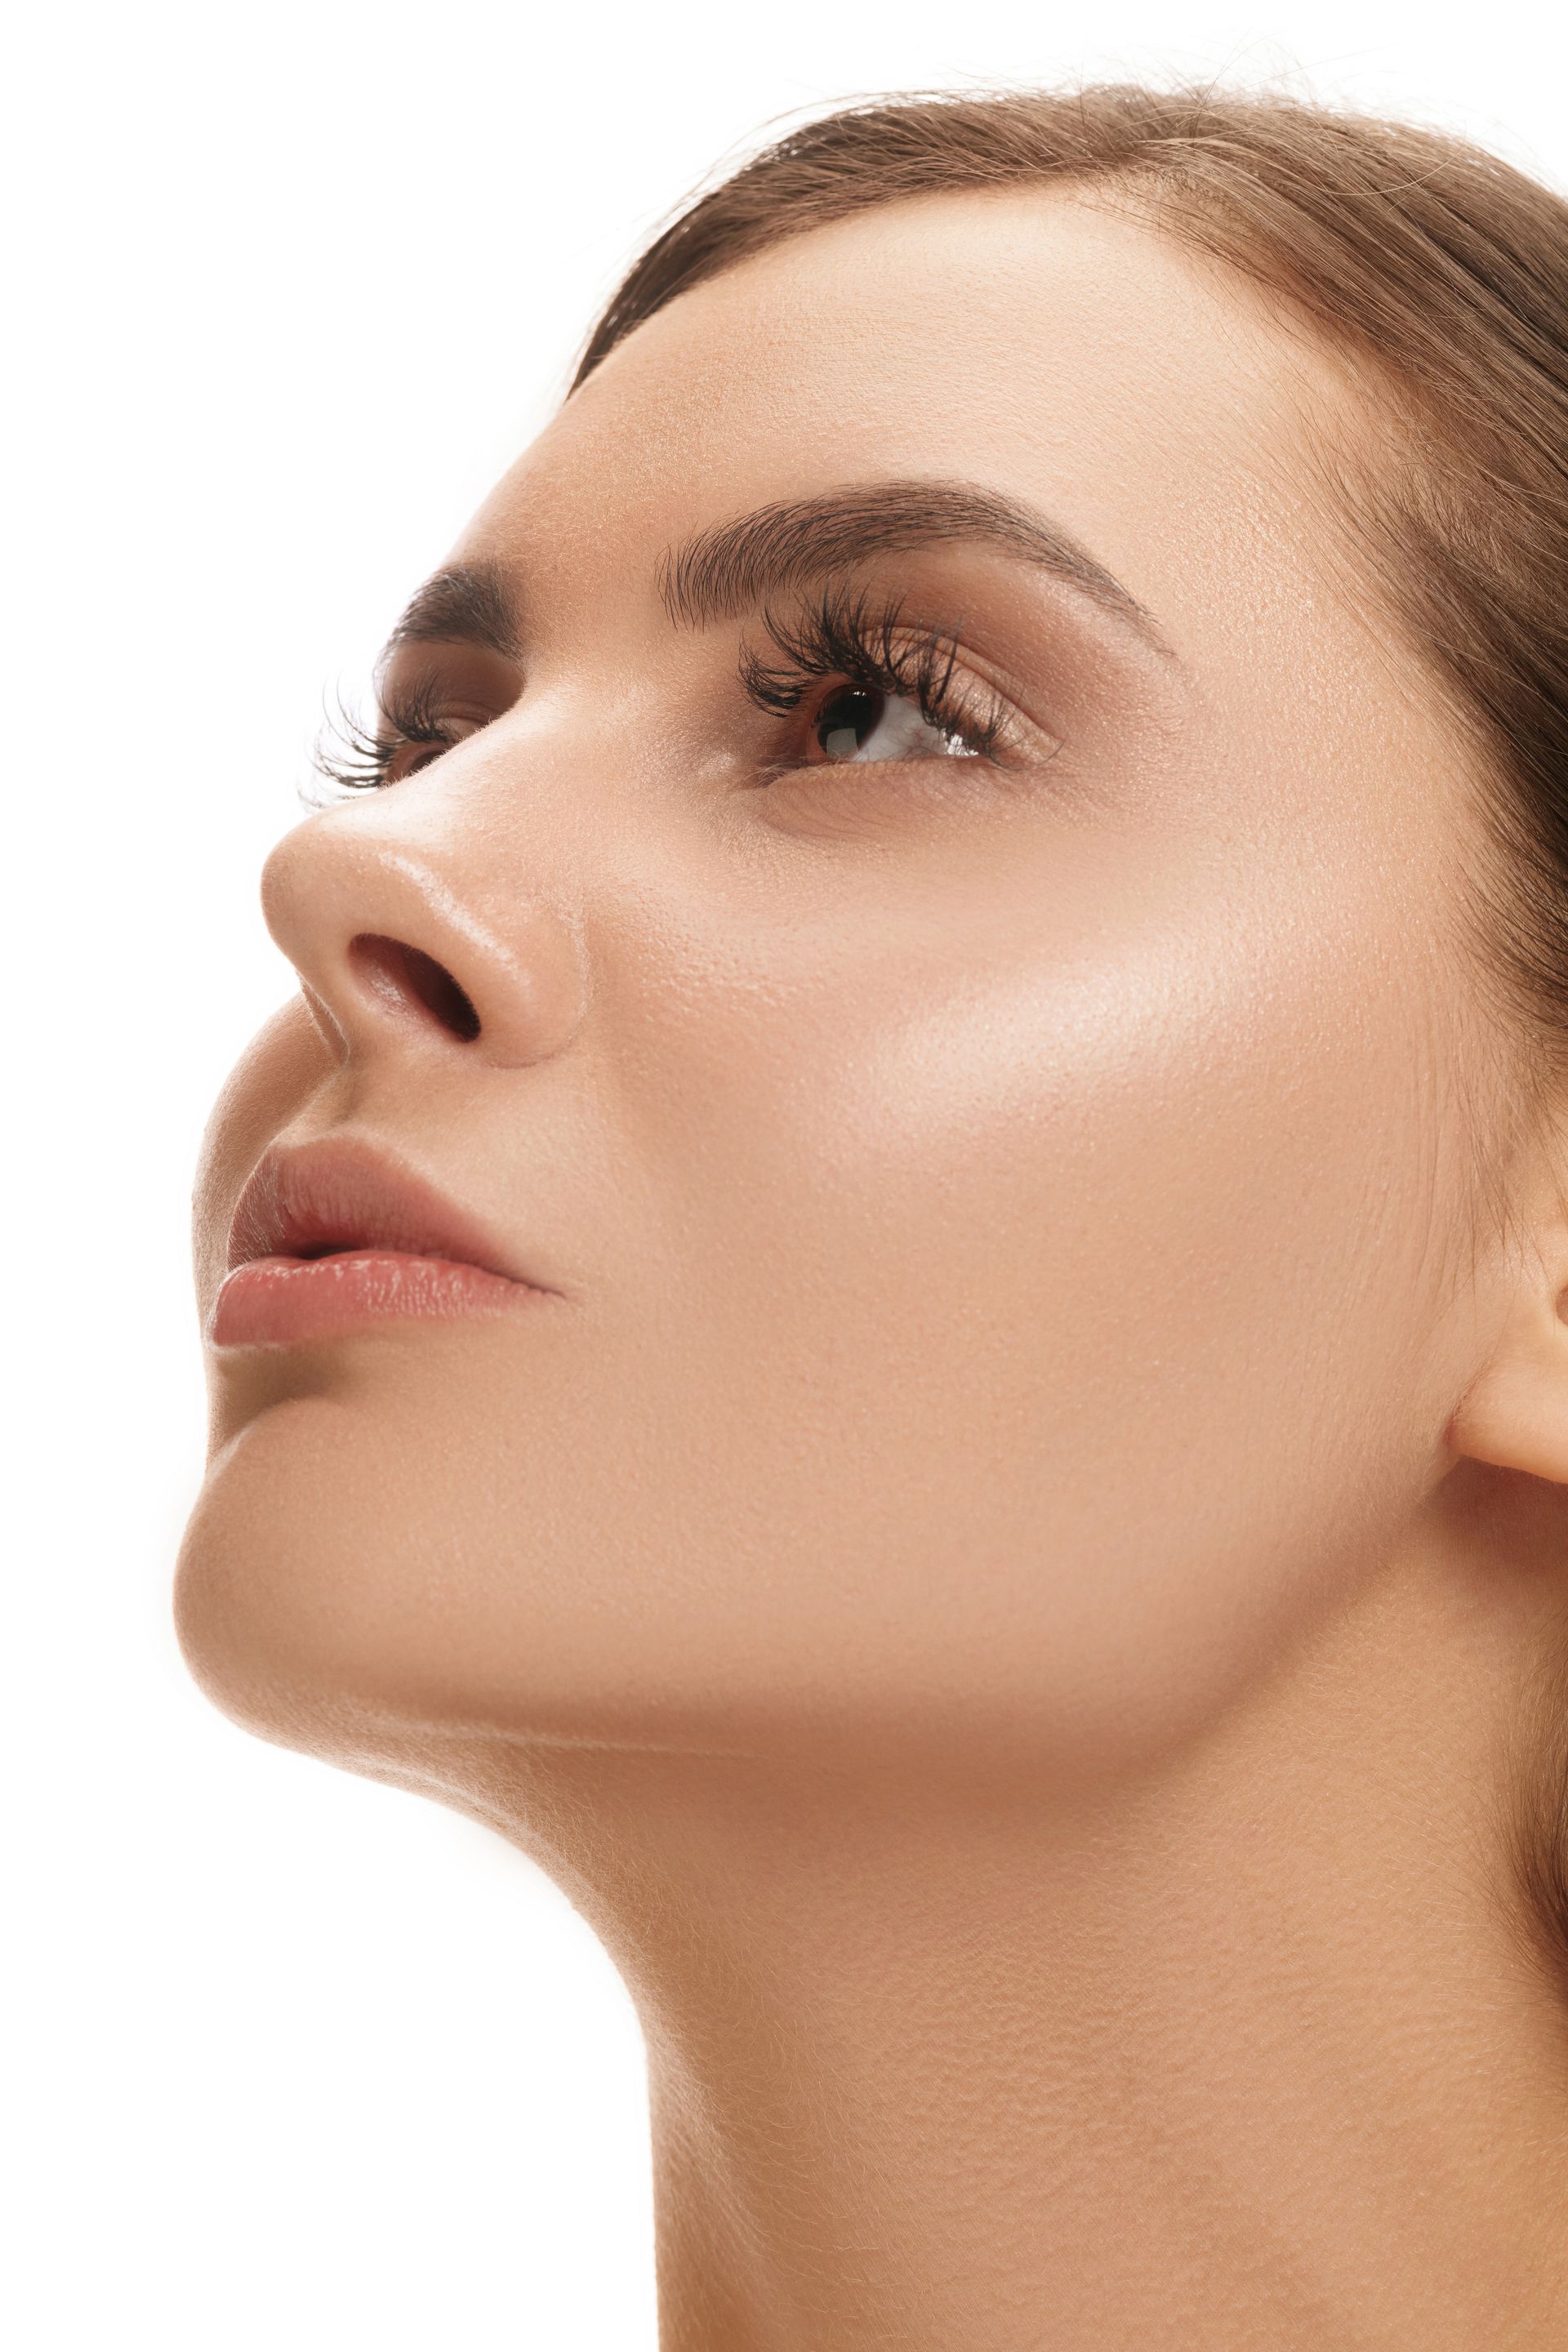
(994, 1098)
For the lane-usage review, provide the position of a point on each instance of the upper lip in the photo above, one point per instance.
(312, 1199)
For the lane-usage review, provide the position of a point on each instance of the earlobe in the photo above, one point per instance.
(1515, 1412)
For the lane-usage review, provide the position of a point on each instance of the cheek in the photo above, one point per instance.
(1078, 1312)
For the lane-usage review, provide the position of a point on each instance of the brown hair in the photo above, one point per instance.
(1438, 271)
(1440, 274)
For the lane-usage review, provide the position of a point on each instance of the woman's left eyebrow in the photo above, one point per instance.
(732, 568)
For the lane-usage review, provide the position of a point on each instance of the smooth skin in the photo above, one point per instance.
(1007, 1581)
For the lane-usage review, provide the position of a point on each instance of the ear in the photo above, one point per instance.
(1515, 1412)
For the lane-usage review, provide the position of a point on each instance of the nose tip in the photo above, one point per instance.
(394, 950)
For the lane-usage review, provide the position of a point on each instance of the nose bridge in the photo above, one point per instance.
(401, 940)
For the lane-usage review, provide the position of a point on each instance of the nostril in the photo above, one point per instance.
(406, 977)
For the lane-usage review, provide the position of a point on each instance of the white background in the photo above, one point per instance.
(295, 2061)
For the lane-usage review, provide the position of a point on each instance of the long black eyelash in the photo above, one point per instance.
(845, 635)
(349, 756)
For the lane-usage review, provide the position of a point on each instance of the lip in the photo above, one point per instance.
(331, 1237)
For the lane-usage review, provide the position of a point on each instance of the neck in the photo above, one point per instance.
(1242, 2049)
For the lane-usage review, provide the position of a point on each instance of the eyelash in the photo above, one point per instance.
(847, 638)
(356, 760)
(844, 638)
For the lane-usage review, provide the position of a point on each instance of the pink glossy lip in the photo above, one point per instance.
(331, 1237)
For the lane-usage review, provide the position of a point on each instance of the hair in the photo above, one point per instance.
(1439, 274)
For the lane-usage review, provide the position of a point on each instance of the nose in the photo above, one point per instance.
(393, 950)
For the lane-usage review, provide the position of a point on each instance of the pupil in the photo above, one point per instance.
(844, 721)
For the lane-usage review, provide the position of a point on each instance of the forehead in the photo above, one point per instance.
(1059, 350)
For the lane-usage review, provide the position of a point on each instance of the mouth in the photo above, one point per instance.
(331, 1237)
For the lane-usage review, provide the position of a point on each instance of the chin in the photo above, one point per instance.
(393, 1550)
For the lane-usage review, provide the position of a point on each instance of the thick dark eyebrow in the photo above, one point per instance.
(732, 569)
(465, 603)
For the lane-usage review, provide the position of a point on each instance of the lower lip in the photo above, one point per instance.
(277, 1300)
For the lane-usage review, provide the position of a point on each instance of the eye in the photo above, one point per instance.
(420, 715)
(864, 722)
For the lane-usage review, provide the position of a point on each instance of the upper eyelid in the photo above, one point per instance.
(840, 633)
(411, 667)
(416, 713)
